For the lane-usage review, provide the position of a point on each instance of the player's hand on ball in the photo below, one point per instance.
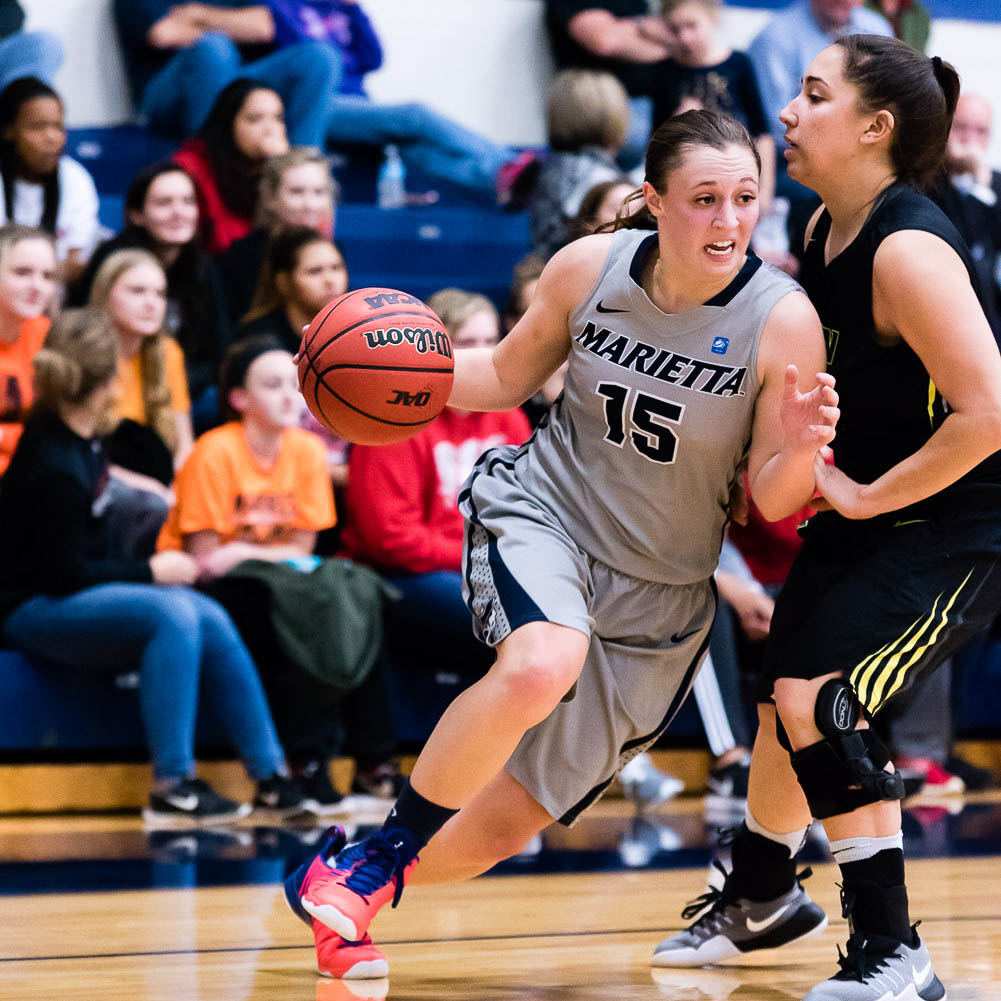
(838, 492)
(808, 419)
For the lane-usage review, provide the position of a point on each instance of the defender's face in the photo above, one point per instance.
(823, 122)
(710, 207)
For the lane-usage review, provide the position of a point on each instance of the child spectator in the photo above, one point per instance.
(587, 119)
(161, 216)
(257, 489)
(154, 433)
(601, 205)
(41, 185)
(27, 289)
(302, 272)
(401, 507)
(72, 597)
(296, 189)
(226, 158)
(703, 72)
(180, 56)
(427, 140)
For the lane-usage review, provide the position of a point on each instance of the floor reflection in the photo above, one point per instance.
(610, 838)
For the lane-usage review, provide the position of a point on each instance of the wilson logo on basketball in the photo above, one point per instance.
(424, 339)
(402, 398)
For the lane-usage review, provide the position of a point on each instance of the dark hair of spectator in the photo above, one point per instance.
(80, 354)
(281, 258)
(666, 151)
(16, 94)
(584, 223)
(919, 92)
(238, 175)
(236, 363)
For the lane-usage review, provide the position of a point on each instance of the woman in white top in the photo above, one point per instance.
(41, 186)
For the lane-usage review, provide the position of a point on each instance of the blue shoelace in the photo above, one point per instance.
(379, 861)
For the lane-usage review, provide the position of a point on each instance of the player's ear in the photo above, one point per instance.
(653, 199)
(880, 127)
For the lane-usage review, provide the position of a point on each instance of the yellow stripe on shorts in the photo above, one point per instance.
(931, 402)
(892, 673)
(864, 671)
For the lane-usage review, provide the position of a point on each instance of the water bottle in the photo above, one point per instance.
(391, 192)
(771, 238)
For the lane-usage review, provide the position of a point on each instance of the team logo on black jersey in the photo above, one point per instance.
(831, 338)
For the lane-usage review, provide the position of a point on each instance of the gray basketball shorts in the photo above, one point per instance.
(648, 639)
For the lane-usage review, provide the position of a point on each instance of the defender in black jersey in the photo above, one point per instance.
(904, 562)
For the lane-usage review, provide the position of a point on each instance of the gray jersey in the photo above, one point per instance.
(637, 458)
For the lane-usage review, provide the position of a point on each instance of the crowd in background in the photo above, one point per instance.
(167, 502)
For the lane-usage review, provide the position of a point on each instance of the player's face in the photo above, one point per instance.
(259, 126)
(39, 135)
(824, 122)
(28, 278)
(304, 198)
(170, 210)
(479, 331)
(709, 208)
(690, 27)
(270, 392)
(138, 300)
(319, 276)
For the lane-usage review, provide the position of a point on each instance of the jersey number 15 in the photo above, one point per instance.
(649, 417)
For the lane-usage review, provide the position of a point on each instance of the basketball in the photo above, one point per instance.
(375, 366)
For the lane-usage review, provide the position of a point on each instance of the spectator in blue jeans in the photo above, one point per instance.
(25, 53)
(70, 595)
(428, 141)
(180, 56)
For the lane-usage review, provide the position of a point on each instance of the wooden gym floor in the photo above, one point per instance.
(93, 908)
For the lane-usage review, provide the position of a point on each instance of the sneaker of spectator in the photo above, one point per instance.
(974, 777)
(645, 784)
(937, 781)
(190, 802)
(320, 795)
(281, 796)
(729, 781)
(384, 781)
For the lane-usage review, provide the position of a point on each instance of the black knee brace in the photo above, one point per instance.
(847, 769)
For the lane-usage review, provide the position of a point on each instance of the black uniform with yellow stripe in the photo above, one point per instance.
(884, 601)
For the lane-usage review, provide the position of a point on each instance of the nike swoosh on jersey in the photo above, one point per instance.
(756, 926)
(602, 308)
(920, 976)
(183, 802)
(681, 637)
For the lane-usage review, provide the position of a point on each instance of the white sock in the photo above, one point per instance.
(793, 841)
(857, 849)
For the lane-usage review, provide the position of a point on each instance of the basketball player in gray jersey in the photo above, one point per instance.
(590, 549)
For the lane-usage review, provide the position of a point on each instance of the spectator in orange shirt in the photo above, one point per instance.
(257, 488)
(28, 271)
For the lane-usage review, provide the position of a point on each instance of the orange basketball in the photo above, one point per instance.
(375, 366)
